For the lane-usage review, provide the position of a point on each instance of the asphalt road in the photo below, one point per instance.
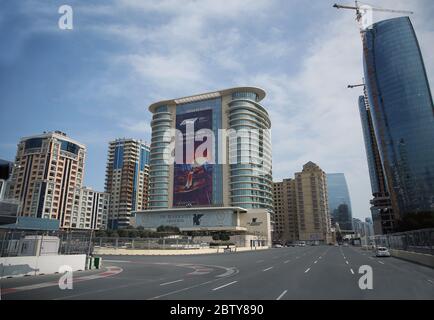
(313, 272)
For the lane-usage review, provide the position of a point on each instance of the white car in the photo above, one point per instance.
(382, 252)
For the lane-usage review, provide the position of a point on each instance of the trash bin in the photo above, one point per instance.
(97, 262)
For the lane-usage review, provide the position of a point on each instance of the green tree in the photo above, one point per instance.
(100, 234)
(122, 233)
(168, 229)
(133, 233)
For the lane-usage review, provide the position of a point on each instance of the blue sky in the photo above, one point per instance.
(96, 81)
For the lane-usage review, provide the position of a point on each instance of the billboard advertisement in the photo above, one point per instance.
(192, 185)
(188, 220)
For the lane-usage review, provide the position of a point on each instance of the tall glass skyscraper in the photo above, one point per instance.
(382, 213)
(339, 200)
(402, 113)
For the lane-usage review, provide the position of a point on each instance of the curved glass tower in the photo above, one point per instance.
(339, 200)
(235, 169)
(402, 113)
(158, 168)
(251, 180)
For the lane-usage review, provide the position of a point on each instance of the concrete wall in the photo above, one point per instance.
(133, 252)
(34, 265)
(421, 258)
(257, 222)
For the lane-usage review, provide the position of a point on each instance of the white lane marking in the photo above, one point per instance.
(352, 271)
(381, 262)
(287, 261)
(307, 270)
(320, 257)
(259, 261)
(282, 294)
(430, 281)
(316, 261)
(268, 269)
(228, 272)
(180, 290)
(225, 285)
(166, 283)
(346, 262)
(297, 257)
(119, 261)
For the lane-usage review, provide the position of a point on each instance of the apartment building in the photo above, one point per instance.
(285, 211)
(126, 180)
(90, 209)
(48, 169)
(301, 207)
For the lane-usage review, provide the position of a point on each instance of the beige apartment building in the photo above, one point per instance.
(285, 213)
(312, 204)
(126, 180)
(301, 207)
(48, 169)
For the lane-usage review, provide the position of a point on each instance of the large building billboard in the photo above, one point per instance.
(192, 185)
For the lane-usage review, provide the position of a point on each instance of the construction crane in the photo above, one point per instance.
(351, 86)
(360, 9)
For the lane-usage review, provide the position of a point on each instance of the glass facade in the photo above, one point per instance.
(248, 183)
(365, 117)
(33, 143)
(381, 210)
(339, 200)
(251, 176)
(402, 113)
(158, 167)
(69, 146)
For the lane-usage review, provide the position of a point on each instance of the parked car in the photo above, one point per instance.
(382, 252)
(277, 245)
